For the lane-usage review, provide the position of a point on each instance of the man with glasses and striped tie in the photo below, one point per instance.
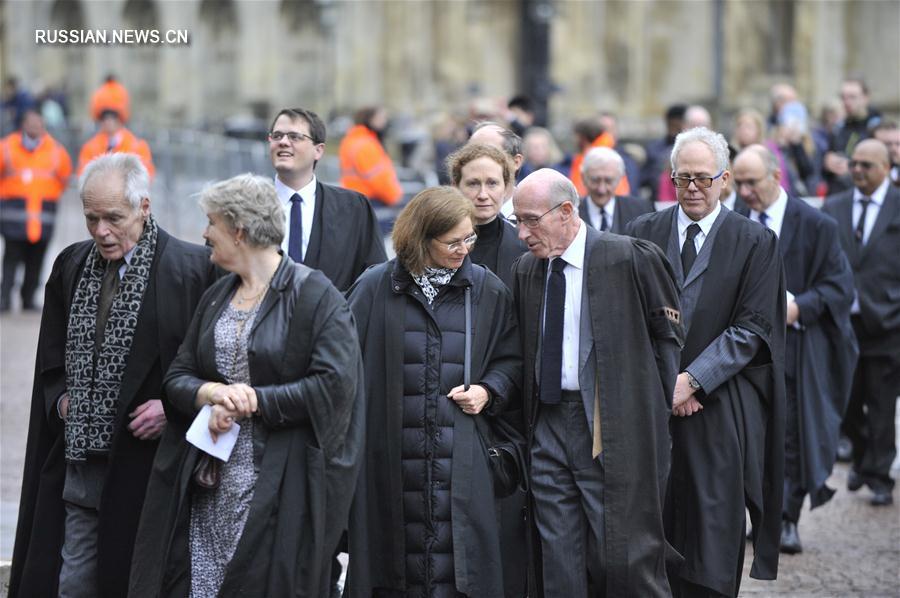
(728, 429)
(868, 219)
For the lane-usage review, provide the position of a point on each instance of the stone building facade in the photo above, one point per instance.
(419, 57)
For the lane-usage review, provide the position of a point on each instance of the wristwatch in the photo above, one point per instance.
(693, 381)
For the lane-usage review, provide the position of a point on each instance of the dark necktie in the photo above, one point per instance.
(552, 343)
(764, 219)
(689, 250)
(295, 234)
(108, 287)
(861, 223)
(604, 225)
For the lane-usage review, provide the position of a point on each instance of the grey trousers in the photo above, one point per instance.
(568, 488)
(78, 575)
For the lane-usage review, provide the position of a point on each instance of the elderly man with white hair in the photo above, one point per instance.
(728, 405)
(116, 308)
(601, 172)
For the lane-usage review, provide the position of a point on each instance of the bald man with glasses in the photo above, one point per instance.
(868, 219)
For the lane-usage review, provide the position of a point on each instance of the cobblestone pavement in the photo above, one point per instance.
(851, 549)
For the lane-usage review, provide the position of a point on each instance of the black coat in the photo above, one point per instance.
(633, 299)
(822, 355)
(179, 275)
(345, 238)
(627, 209)
(380, 300)
(743, 418)
(497, 248)
(875, 270)
(305, 368)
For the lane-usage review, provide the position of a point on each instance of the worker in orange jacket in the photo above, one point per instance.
(589, 133)
(112, 95)
(113, 137)
(365, 166)
(34, 169)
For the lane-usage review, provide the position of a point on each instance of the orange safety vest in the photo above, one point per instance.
(604, 140)
(111, 96)
(128, 143)
(366, 167)
(31, 183)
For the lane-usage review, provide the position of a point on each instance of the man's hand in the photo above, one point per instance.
(239, 398)
(836, 164)
(683, 390)
(471, 401)
(689, 407)
(148, 420)
(793, 313)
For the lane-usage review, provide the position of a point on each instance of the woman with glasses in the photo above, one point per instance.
(424, 519)
(485, 175)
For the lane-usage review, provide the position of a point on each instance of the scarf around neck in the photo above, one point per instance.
(94, 377)
(431, 281)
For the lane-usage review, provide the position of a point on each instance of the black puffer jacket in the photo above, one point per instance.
(433, 349)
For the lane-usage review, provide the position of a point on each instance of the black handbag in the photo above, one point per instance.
(504, 457)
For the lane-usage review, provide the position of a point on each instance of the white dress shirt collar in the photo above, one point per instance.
(594, 211)
(774, 212)
(307, 208)
(877, 196)
(574, 253)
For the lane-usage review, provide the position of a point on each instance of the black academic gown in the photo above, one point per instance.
(180, 273)
(376, 531)
(305, 368)
(636, 325)
(822, 355)
(743, 419)
(497, 248)
(627, 209)
(345, 238)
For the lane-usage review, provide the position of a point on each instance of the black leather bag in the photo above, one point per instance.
(207, 472)
(503, 458)
(504, 455)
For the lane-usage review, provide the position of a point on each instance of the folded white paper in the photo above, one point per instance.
(198, 435)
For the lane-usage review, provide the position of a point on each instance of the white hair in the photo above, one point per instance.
(714, 141)
(602, 155)
(128, 166)
(250, 203)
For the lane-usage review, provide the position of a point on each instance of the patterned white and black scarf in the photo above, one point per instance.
(93, 378)
(431, 281)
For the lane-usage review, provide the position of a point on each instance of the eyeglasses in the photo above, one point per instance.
(864, 164)
(530, 221)
(608, 181)
(705, 182)
(292, 136)
(457, 245)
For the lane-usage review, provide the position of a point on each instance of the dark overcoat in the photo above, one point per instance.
(731, 453)
(376, 529)
(635, 322)
(346, 238)
(501, 258)
(179, 275)
(305, 367)
(628, 207)
(821, 355)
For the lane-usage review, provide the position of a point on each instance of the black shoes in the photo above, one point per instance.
(854, 481)
(790, 539)
(844, 450)
(882, 498)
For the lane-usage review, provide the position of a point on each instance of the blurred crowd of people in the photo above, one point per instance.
(560, 386)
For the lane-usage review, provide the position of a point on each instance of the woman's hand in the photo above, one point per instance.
(220, 421)
(471, 401)
(238, 398)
